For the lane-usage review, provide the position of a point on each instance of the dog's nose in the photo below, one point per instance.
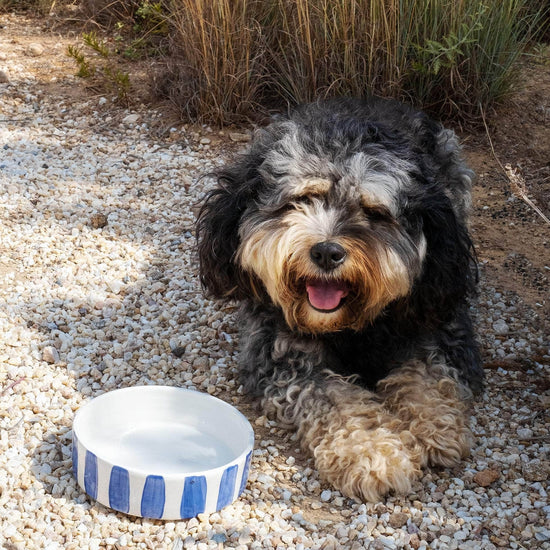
(327, 255)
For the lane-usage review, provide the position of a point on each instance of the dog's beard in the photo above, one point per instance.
(314, 300)
(350, 296)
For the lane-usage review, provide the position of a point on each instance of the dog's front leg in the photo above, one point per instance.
(358, 446)
(432, 404)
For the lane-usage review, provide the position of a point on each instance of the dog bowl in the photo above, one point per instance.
(161, 452)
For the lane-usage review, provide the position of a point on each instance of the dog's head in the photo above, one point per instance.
(332, 215)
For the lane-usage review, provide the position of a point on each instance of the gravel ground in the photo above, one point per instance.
(98, 290)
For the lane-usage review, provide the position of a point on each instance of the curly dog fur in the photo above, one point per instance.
(343, 233)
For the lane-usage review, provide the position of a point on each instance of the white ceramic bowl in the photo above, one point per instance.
(161, 452)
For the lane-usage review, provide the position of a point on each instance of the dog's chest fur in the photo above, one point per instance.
(371, 354)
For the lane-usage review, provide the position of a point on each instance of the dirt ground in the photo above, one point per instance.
(512, 239)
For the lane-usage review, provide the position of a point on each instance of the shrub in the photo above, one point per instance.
(228, 57)
(217, 64)
(468, 61)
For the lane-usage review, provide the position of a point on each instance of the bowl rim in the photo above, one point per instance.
(167, 476)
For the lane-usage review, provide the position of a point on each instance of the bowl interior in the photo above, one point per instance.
(163, 430)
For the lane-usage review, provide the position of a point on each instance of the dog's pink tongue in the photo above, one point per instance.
(324, 295)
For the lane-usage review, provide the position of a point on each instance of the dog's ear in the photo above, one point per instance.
(439, 206)
(449, 272)
(218, 230)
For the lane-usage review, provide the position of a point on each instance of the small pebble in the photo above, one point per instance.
(536, 470)
(98, 221)
(500, 327)
(131, 119)
(35, 50)
(486, 477)
(50, 355)
(398, 519)
(239, 137)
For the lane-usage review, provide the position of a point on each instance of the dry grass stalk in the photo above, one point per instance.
(517, 183)
(516, 180)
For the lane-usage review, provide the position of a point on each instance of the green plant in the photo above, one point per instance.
(541, 54)
(119, 83)
(150, 17)
(435, 55)
(106, 73)
(150, 27)
(91, 39)
(85, 68)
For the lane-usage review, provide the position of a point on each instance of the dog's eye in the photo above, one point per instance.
(304, 199)
(288, 206)
(377, 213)
(296, 202)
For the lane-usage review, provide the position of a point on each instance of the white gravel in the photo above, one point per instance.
(98, 290)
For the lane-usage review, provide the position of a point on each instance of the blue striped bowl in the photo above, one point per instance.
(161, 452)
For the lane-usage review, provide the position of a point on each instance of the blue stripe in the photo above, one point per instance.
(246, 469)
(153, 497)
(75, 456)
(193, 500)
(90, 474)
(119, 489)
(227, 487)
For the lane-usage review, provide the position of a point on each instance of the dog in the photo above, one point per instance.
(342, 230)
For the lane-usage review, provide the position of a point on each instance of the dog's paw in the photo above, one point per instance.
(432, 412)
(442, 438)
(366, 464)
(358, 446)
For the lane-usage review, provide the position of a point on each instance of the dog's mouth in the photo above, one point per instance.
(326, 296)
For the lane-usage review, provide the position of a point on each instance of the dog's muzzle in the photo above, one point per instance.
(326, 295)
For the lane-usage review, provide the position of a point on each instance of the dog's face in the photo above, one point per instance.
(325, 238)
(332, 225)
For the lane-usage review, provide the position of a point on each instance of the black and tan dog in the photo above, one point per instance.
(343, 232)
